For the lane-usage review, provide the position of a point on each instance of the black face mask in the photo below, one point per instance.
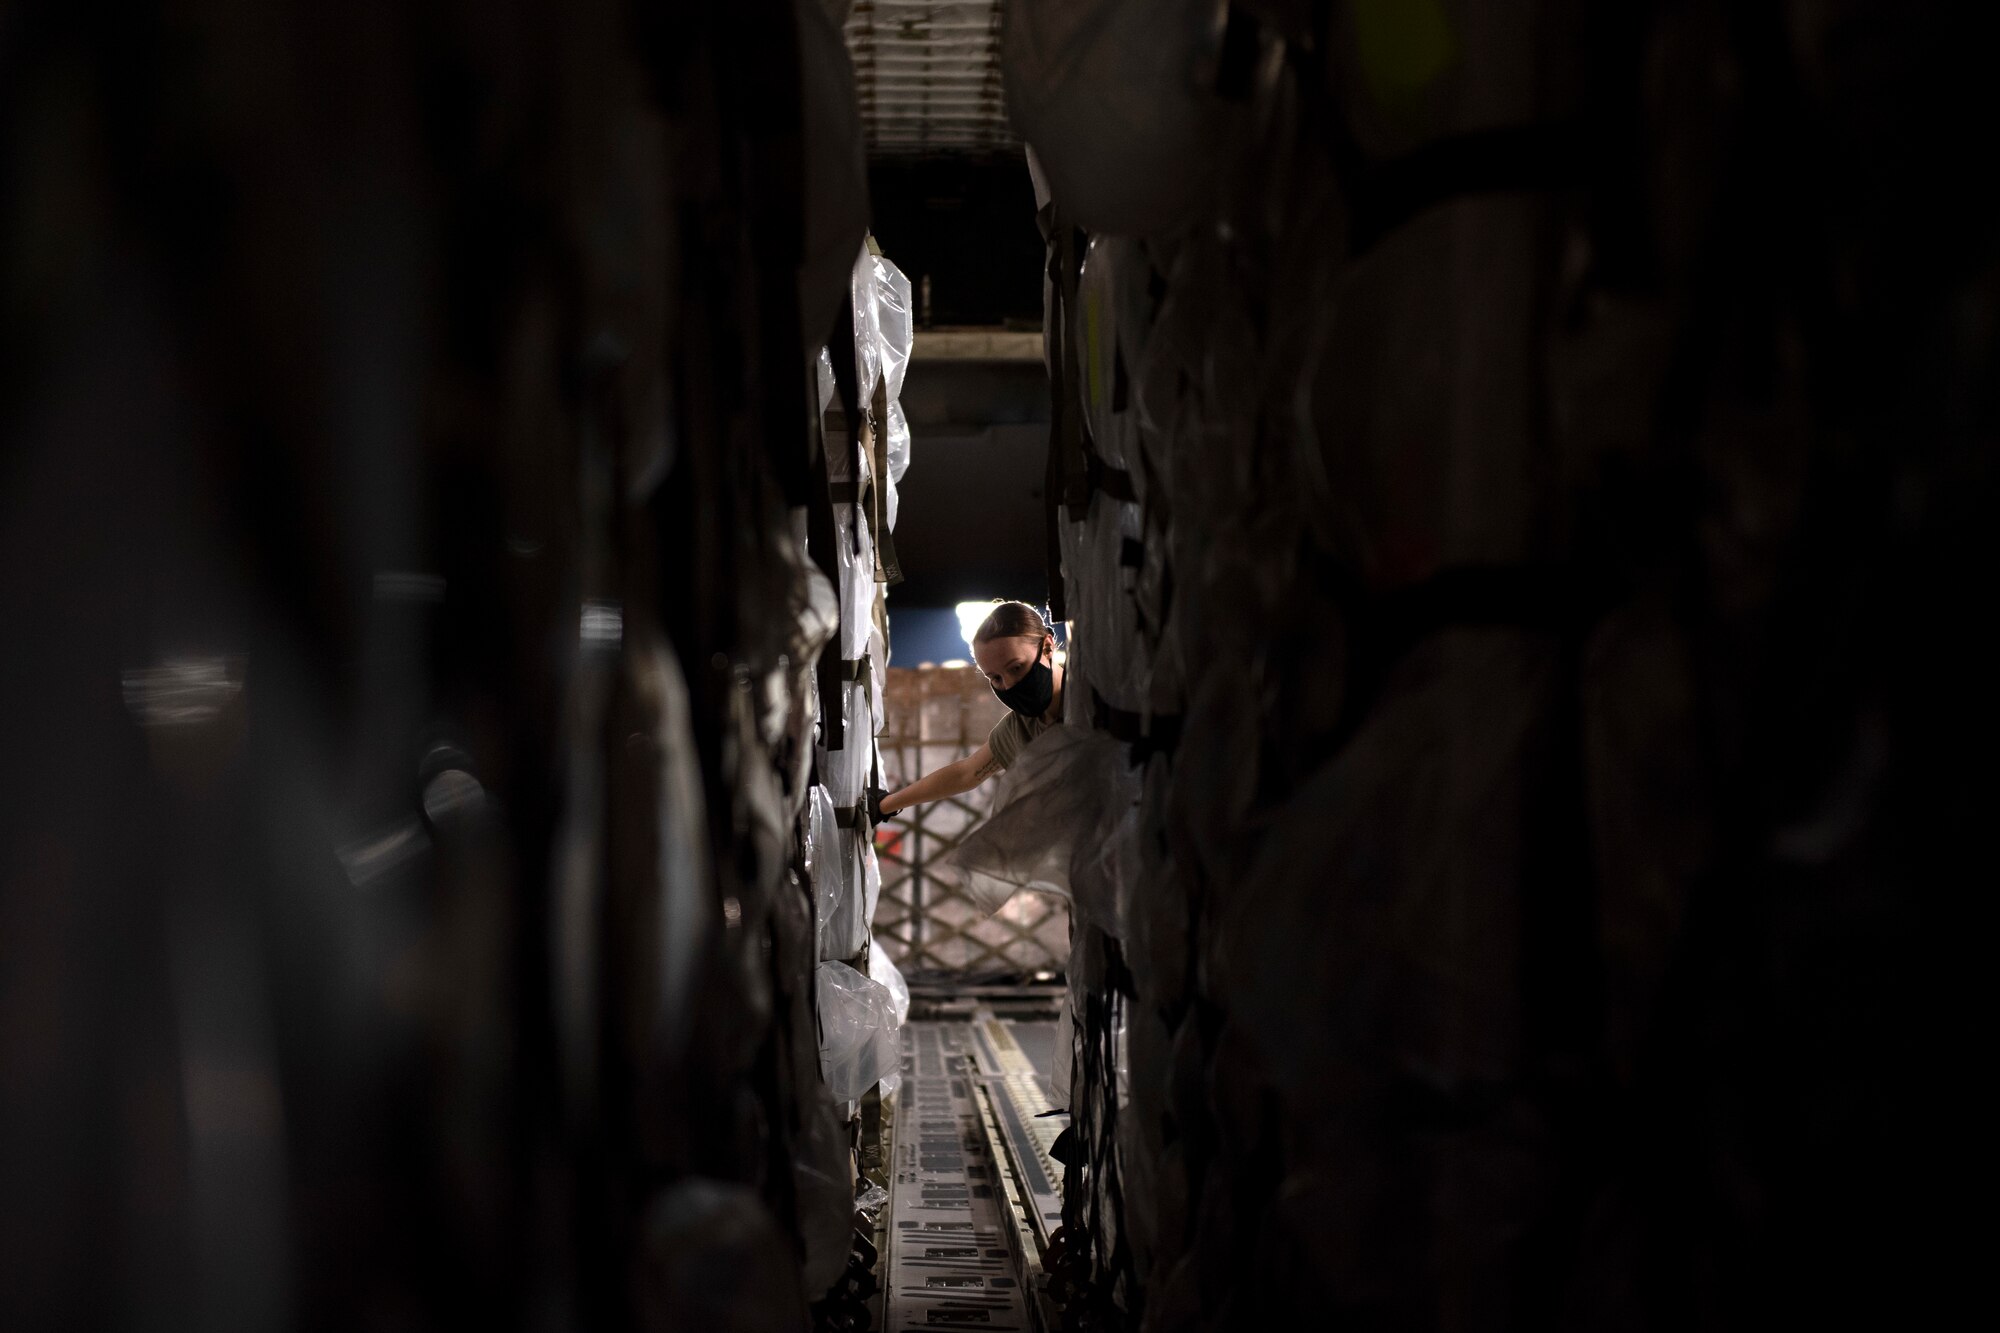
(1030, 695)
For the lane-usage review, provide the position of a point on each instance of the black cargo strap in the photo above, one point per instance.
(1147, 736)
(1386, 195)
(1115, 482)
(1525, 596)
(1083, 470)
(844, 671)
(848, 391)
(866, 496)
(1131, 553)
(1563, 599)
(1073, 427)
(888, 569)
(856, 814)
(822, 537)
(1052, 497)
(1065, 412)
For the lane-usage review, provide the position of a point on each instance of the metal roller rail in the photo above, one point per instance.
(973, 1193)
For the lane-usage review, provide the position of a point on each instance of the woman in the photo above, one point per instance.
(1015, 650)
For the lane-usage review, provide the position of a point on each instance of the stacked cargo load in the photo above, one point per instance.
(1458, 453)
(412, 668)
(867, 449)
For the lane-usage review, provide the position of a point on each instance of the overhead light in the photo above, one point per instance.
(971, 615)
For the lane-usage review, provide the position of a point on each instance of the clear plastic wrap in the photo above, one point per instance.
(884, 970)
(1115, 313)
(858, 1043)
(899, 448)
(1112, 651)
(842, 920)
(1060, 823)
(893, 318)
(898, 329)
(899, 462)
(867, 327)
(878, 663)
(815, 606)
(824, 377)
(845, 771)
(871, 876)
(857, 578)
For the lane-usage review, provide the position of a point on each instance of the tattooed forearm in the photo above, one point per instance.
(987, 769)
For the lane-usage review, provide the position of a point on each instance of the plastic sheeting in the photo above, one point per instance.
(862, 289)
(894, 323)
(845, 771)
(1107, 92)
(1062, 823)
(871, 875)
(824, 382)
(898, 332)
(1101, 552)
(846, 874)
(842, 926)
(858, 1044)
(858, 589)
(884, 970)
(1460, 879)
(899, 459)
(822, 1170)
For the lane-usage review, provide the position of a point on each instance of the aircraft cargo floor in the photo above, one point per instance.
(974, 1195)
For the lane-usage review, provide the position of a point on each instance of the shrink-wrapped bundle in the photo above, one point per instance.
(883, 971)
(861, 464)
(1104, 544)
(1055, 827)
(894, 323)
(898, 333)
(861, 288)
(838, 902)
(857, 1026)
